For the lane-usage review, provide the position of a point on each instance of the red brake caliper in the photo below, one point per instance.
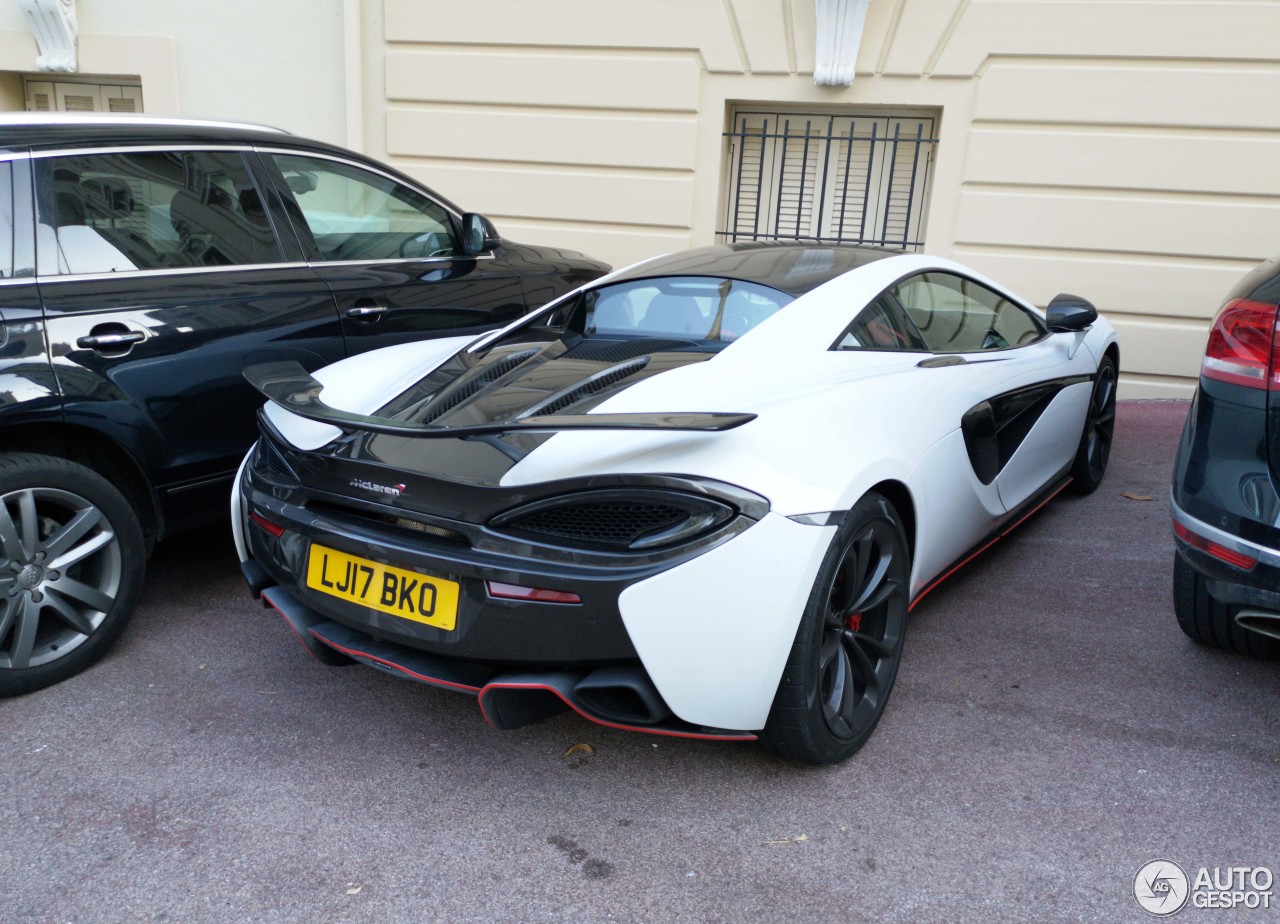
(854, 622)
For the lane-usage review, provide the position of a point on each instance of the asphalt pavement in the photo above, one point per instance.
(1050, 733)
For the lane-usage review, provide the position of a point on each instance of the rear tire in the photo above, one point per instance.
(1209, 622)
(71, 566)
(847, 649)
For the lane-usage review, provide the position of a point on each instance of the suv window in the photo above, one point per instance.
(355, 214)
(958, 315)
(122, 212)
(6, 220)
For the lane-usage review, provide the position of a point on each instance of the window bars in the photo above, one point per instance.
(826, 177)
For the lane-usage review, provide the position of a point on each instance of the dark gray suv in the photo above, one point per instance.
(143, 264)
(1226, 480)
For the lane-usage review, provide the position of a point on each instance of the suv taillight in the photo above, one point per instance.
(1243, 348)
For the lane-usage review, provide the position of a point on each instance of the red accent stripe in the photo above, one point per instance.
(606, 724)
(266, 602)
(920, 596)
(1058, 490)
(351, 652)
(1000, 534)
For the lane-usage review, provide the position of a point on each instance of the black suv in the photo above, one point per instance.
(144, 263)
(1226, 509)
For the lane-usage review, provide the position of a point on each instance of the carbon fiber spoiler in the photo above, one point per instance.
(294, 389)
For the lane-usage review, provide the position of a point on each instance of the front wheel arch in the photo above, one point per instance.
(844, 659)
(100, 454)
(899, 495)
(1094, 451)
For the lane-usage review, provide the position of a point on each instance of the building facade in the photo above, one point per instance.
(1119, 150)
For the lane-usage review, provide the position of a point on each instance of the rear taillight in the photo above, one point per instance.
(531, 594)
(275, 529)
(1243, 347)
(1208, 546)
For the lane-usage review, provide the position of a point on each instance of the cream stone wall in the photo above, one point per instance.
(283, 63)
(1124, 151)
(1120, 149)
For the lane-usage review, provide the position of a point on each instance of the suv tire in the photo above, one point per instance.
(1210, 622)
(71, 567)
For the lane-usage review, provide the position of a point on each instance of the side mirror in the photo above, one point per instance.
(478, 234)
(1070, 313)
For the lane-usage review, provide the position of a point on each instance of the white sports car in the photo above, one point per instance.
(695, 497)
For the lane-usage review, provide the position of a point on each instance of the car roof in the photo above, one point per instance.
(55, 131)
(793, 267)
(60, 129)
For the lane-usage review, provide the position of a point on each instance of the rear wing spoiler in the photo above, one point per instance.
(295, 390)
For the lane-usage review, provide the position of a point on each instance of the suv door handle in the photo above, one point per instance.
(114, 341)
(367, 312)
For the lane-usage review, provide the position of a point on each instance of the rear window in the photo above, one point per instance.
(704, 309)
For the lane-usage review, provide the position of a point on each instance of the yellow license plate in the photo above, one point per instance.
(432, 601)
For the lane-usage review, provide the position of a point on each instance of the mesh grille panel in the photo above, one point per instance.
(467, 389)
(616, 524)
(620, 351)
(592, 387)
(274, 461)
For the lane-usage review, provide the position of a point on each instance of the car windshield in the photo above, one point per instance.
(706, 310)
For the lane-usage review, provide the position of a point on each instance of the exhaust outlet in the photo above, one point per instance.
(1260, 621)
(622, 694)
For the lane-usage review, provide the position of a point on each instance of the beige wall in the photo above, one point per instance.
(1121, 150)
(284, 62)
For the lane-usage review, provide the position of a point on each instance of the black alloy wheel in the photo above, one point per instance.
(1099, 430)
(847, 650)
(71, 565)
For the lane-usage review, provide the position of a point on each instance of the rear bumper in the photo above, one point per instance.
(1224, 492)
(615, 697)
(692, 645)
(1257, 587)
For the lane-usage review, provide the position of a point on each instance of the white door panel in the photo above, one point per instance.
(954, 509)
(1050, 445)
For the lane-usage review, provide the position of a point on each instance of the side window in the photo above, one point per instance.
(882, 325)
(6, 220)
(115, 213)
(355, 214)
(957, 315)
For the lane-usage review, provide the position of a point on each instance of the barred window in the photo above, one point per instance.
(828, 176)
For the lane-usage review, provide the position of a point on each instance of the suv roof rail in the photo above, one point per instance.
(99, 118)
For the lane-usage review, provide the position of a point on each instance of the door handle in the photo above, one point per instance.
(111, 341)
(368, 313)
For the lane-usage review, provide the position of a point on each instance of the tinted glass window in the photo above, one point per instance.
(957, 315)
(882, 325)
(698, 308)
(354, 214)
(6, 220)
(113, 213)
